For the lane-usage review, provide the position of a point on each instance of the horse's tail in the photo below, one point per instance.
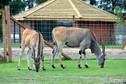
(54, 41)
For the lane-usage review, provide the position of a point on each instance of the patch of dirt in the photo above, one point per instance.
(112, 53)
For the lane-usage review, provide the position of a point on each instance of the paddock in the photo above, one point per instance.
(113, 71)
(104, 27)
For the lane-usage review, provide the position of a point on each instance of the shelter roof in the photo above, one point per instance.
(64, 10)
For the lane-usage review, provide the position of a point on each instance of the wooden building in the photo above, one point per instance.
(44, 17)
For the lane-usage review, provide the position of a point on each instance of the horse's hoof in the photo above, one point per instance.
(86, 66)
(79, 66)
(53, 66)
(29, 68)
(43, 69)
(19, 69)
(63, 67)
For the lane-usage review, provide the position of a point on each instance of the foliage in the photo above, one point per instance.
(3, 3)
(40, 1)
(92, 2)
(119, 14)
(16, 6)
(29, 3)
(110, 5)
(113, 72)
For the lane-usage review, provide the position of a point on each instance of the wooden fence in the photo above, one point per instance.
(8, 30)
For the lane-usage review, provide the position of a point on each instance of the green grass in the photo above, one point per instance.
(109, 46)
(106, 46)
(113, 46)
(113, 72)
(13, 45)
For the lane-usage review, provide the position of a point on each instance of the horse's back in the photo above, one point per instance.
(59, 33)
(70, 32)
(31, 37)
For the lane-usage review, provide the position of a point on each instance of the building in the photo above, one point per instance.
(44, 17)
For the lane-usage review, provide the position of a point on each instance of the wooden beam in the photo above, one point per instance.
(7, 12)
(73, 20)
(75, 9)
(4, 35)
(14, 32)
(51, 45)
(19, 34)
(124, 45)
(13, 19)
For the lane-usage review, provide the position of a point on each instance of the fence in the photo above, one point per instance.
(3, 55)
(109, 32)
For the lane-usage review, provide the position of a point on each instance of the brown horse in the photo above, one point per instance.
(35, 42)
(76, 37)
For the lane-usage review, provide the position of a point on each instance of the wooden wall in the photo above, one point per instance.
(104, 31)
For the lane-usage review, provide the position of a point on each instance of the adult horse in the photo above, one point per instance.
(76, 37)
(35, 43)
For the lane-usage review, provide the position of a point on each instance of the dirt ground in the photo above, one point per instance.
(73, 52)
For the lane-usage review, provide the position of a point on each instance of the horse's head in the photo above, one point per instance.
(37, 64)
(102, 57)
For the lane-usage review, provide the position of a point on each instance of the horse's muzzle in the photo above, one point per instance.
(101, 66)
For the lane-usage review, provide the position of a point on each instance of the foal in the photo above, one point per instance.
(35, 43)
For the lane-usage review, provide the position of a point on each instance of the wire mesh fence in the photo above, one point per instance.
(107, 32)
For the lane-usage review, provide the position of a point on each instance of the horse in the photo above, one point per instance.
(35, 43)
(76, 37)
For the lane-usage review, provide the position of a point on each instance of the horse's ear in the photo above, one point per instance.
(103, 49)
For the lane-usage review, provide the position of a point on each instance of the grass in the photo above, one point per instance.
(114, 72)
(106, 46)
(13, 45)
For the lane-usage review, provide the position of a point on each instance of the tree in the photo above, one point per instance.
(40, 1)
(3, 3)
(16, 6)
(111, 5)
(30, 3)
(92, 2)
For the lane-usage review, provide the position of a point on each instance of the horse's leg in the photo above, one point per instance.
(43, 67)
(80, 56)
(33, 52)
(85, 61)
(54, 54)
(28, 59)
(20, 56)
(60, 46)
